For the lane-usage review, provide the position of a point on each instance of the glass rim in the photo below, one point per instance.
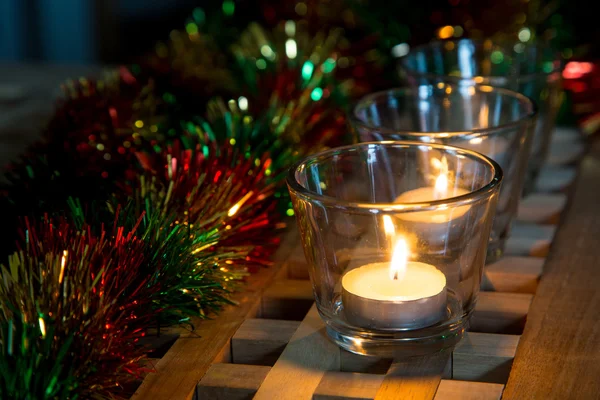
(470, 133)
(383, 208)
(493, 78)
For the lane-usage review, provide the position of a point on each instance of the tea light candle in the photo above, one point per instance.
(400, 294)
(434, 225)
(427, 194)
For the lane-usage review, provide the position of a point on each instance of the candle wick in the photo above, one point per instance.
(396, 275)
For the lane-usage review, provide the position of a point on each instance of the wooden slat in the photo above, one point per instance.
(542, 208)
(348, 386)
(297, 264)
(479, 356)
(351, 362)
(301, 366)
(484, 357)
(287, 299)
(500, 312)
(231, 381)
(554, 179)
(261, 341)
(186, 362)
(530, 240)
(355, 386)
(416, 378)
(559, 352)
(513, 275)
(463, 390)
(224, 356)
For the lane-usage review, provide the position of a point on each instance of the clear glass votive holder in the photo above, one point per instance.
(492, 121)
(395, 235)
(532, 68)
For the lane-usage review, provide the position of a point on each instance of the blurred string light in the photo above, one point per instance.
(576, 70)
(243, 103)
(290, 28)
(400, 50)
(328, 65)
(519, 47)
(548, 66)
(316, 94)
(261, 64)
(301, 8)
(199, 15)
(267, 52)
(524, 34)
(228, 7)
(307, 70)
(291, 50)
(497, 57)
(191, 28)
(446, 32)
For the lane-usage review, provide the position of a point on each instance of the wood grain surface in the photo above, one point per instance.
(303, 363)
(558, 356)
(416, 378)
(231, 381)
(465, 390)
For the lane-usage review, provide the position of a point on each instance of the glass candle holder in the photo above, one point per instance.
(395, 236)
(492, 121)
(532, 69)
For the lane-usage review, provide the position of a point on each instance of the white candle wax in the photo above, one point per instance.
(373, 299)
(436, 227)
(428, 194)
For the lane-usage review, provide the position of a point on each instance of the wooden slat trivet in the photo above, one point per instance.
(415, 378)
(292, 358)
(513, 275)
(304, 361)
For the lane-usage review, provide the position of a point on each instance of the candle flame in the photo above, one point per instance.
(388, 226)
(440, 189)
(399, 260)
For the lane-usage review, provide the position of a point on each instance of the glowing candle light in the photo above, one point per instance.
(395, 294)
(435, 225)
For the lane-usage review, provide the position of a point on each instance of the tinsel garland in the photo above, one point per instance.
(202, 212)
(65, 329)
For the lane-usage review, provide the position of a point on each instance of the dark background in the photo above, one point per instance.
(118, 31)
